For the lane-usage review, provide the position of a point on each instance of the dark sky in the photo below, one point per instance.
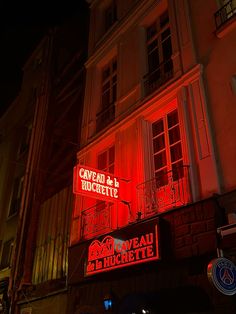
(22, 25)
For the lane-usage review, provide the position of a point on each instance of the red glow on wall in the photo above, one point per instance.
(112, 253)
(95, 183)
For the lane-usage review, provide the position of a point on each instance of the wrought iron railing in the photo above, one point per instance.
(97, 220)
(153, 80)
(168, 191)
(225, 13)
(105, 117)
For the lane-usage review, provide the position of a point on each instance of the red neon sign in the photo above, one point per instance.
(111, 253)
(95, 183)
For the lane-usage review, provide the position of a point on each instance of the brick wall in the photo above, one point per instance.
(193, 228)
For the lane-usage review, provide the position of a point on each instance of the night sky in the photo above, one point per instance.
(22, 25)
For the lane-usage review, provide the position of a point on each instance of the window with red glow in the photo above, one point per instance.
(167, 149)
(106, 163)
(108, 95)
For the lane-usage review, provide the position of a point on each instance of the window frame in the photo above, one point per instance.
(168, 167)
(15, 201)
(6, 254)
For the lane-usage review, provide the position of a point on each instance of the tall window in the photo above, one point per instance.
(16, 195)
(108, 95)
(99, 218)
(167, 149)
(25, 140)
(6, 254)
(159, 52)
(110, 15)
(106, 161)
(226, 12)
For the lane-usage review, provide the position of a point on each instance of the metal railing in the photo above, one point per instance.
(105, 117)
(225, 13)
(168, 191)
(96, 220)
(153, 80)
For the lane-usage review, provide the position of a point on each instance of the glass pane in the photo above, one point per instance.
(111, 155)
(114, 66)
(165, 34)
(111, 169)
(161, 178)
(160, 160)
(153, 61)
(174, 135)
(176, 152)
(152, 46)
(157, 128)
(102, 161)
(172, 118)
(167, 49)
(106, 87)
(113, 94)
(158, 143)
(106, 99)
(178, 170)
(105, 73)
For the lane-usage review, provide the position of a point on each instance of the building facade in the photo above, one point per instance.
(37, 171)
(155, 180)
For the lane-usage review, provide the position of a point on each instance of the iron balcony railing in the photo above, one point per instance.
(171, 190)
(97, 220)
(105, 117)
(168, 191)
(159, 76)
(225, 13)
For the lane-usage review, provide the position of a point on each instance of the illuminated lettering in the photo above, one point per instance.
(97, 184)
(111, 253)
(150, 252)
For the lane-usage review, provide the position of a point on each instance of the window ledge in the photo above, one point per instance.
(226, 27)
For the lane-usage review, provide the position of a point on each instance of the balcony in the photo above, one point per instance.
(171, 190)
(97, 220)
(225, 14)
(105, 117)
(153, 80)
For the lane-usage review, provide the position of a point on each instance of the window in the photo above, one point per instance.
(105, 162)
(100, 218)
(6, 254)
(108, 95)
(16, 196)
(167, 149)
(159, 52)
(110, 15)
(25, 140)
(226, 12)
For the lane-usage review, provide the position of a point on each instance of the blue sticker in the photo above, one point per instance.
(222, 273)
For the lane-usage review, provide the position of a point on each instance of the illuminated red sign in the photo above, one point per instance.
(95, 183)
(111, 252)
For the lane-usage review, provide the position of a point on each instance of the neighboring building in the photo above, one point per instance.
(18, 130)
(155, 183)
(39, 141)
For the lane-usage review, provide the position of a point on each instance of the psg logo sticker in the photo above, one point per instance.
(222, 273)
